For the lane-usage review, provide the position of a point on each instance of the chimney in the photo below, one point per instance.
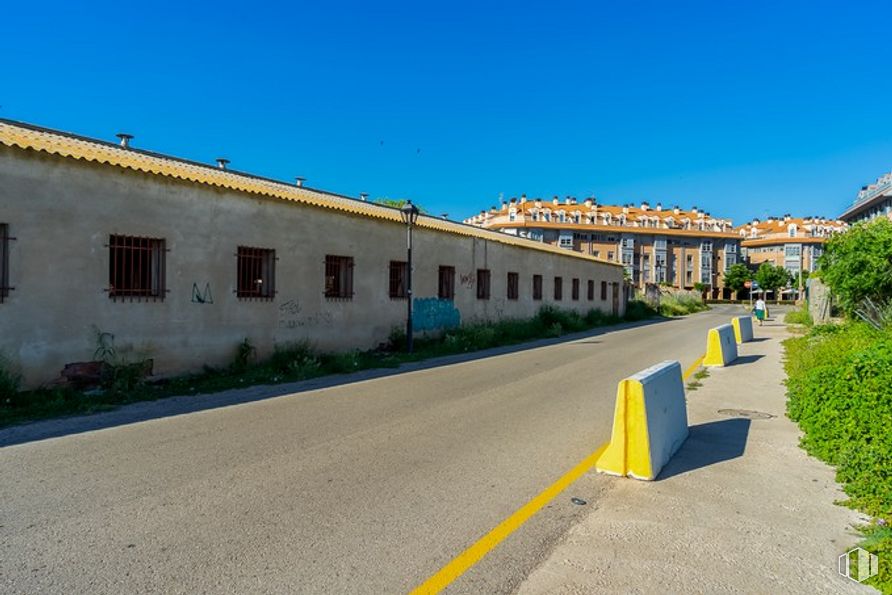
(588, 202)
(299, 181)
(444, 215)
(125, 139)
(523, 198)
(513, 201)
(659, 206)
(555, 200)
(363, 196)
(694, 209)
(625, 209)
(222, 162)
(538, 203)
(645, 206)
(786, 217)
(676, 209)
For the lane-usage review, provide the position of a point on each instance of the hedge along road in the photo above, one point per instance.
(369, 487)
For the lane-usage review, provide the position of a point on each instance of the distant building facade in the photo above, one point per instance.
(794, 243)
(179, 262)
(874, 200)
(676, 247)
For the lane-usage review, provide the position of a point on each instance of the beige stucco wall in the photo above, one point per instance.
(62, 211)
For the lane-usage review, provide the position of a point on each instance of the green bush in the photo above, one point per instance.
(681, 304)
(638, 310)
(839, 388)
(10, 379)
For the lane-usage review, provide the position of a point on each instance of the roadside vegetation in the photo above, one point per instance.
(123, 381)
(839, 381)
(681, 304)
(800, 316)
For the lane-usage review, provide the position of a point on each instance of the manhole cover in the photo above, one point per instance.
(747, 413)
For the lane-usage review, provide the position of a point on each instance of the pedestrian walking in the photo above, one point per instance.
(760, 310)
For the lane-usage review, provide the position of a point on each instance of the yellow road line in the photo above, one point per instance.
(461, 563)
(693, 367)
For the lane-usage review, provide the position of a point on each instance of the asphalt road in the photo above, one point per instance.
(367, 487)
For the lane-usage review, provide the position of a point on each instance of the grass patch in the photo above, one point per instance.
(699, 375)
(800, 316)
(839, 389)
(123, 381)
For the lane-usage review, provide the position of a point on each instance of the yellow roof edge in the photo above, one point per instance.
(28, 137)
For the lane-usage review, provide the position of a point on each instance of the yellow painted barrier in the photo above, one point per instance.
(743, 328)
(721, 346)
(650, 423)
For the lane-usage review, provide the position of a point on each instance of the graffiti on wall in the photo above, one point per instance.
(291, 316)
(202, 297)
(431, 314)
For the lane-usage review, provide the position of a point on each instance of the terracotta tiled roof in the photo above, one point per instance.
(28, 137)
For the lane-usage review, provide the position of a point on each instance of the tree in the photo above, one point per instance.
(396, 202)
(772, 278)
(736, 276)
(857, 264)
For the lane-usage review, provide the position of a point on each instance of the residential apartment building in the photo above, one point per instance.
(681, 248)
(793, 243)
(179, 262)
(874, 200)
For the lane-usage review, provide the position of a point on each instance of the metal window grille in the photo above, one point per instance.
(513, 286)
(256, 273)
(537, 287)
(482, 284)
(591, 290)
(4, 262)
(446, 289)
(339, 277)
(136, 268)
(603, 290)
(558, 288)
(398, 280)
(575, 289)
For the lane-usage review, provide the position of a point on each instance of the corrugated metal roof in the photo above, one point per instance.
(29, 137)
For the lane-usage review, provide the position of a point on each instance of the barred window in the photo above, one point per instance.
(255, 273)
(558, 288)
(575, 289)
(483, 284)
(398, 280)
(339, 277)
(513, 286)
(591, 290)
(603, 290)
(446, 286)
(537, 287)
(4, 262)
(136, 267)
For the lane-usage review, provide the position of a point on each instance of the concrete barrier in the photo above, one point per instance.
(650, 423)
(721, 346)
(743, 328)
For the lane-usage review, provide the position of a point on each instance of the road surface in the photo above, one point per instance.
(367, 487)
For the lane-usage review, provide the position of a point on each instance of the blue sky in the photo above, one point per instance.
(740, 108)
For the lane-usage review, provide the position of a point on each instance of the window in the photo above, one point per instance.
(398, 280)
(4, 262)
(482, 284)
(255, 273)
(537, 287)
(136, 267)
(574, 289)
(339, 277)
(558, 288)
(610, 256)
(603, 290)
(513, 286)
(446, 286)
(591, 290)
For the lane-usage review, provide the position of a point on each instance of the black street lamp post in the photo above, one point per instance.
(409, 213)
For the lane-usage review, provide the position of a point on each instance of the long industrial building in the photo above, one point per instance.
(181, 261)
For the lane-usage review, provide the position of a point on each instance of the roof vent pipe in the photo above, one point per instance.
(363, 196)
(299, 181)
(222, 162)
(125, 139)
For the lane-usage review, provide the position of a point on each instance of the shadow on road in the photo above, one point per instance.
(708, 444)
(171, 406)
(745, 359)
